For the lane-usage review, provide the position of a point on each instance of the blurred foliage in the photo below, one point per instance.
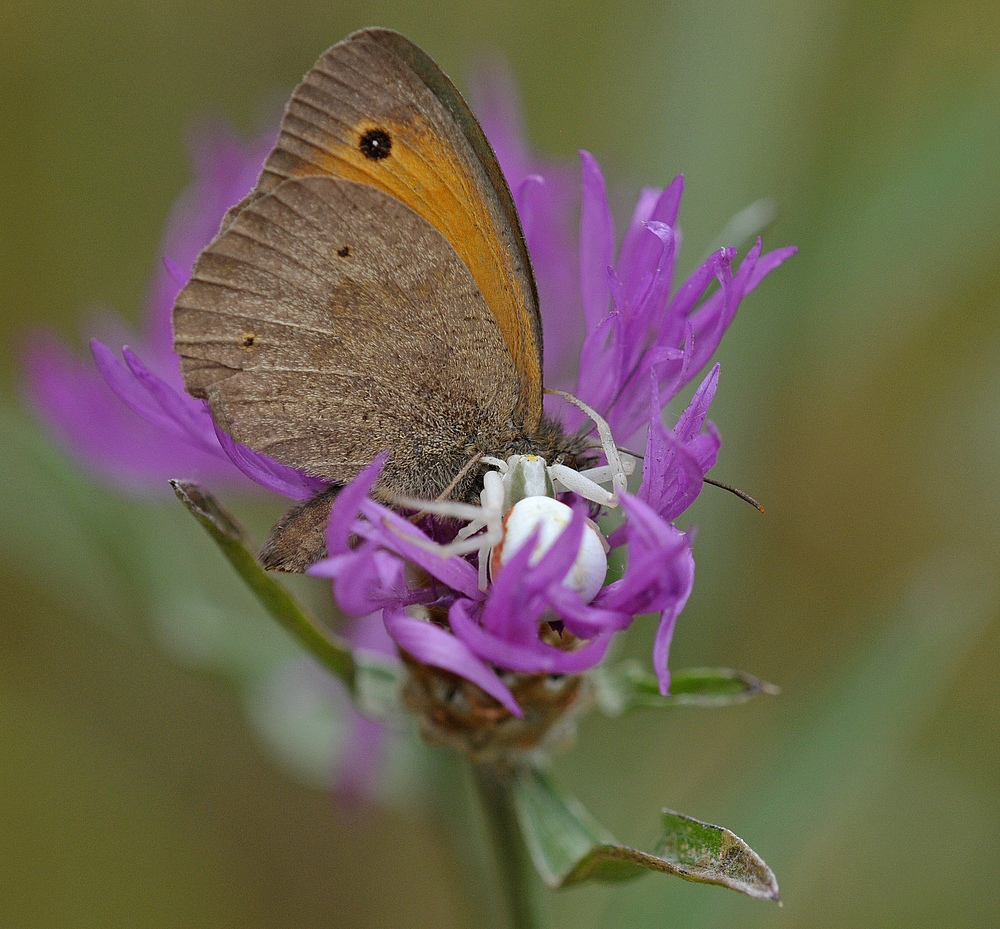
(859, 402)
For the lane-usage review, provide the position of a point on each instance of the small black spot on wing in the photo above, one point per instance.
(375, 144)
(344, 251)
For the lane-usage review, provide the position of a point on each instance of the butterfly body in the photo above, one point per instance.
(372, 292)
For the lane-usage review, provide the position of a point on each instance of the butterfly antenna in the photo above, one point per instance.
(735, 490)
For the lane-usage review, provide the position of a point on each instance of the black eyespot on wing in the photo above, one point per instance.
(375, 144)
(344, 251)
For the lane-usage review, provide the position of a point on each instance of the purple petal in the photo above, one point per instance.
(665, 629)
(175, 271)
(187, 416)
(644, 205)
(768, 263)
(554, 565)
(367, 579)
(674, 476)
(601, 373)
(548, 206)
(72, 398)
(597, 242)
(526, 657)
(689, 423)
(718, 311)
(170, 437)
(650, 582)
(127, 388)
(495, 101)
(399, 535)
(368, 634)
(669, 202)
(432, 645)
(717, 265)
(675, 463)
(530, 195)
(516, 599)
(362, 761)
(511, 611)
(644, 254)
(547, 196)
(585, 620)
(658, 578)
(268, 473)
(347, 505)
(713, 317)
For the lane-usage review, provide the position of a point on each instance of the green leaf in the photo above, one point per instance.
(629, 685)
(713, 855)
(236, 545)
(568, 846)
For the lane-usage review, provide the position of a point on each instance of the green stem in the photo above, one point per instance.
(516, 869)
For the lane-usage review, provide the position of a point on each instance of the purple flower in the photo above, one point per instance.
(621, 334)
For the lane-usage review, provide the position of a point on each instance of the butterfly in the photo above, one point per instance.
(372, 292)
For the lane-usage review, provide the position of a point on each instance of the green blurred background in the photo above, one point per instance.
(860, 400)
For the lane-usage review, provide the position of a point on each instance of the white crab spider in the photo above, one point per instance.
(521, 477)
(518, 499)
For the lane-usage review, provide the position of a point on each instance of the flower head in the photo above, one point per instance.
(638, 337)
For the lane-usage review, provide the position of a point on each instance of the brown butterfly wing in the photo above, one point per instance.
(330, 321)
(378, 87)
